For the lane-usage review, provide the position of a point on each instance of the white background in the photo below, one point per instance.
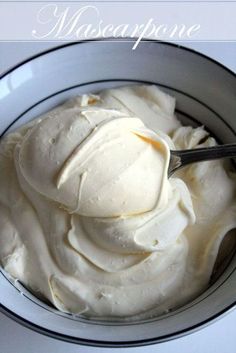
(218, 337)
(39, 19)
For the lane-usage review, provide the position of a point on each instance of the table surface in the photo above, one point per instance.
(218, 337)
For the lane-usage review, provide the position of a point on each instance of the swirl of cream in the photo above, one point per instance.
(109, 172)
(100, 163)
(88, 186)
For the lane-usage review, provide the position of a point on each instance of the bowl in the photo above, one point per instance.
(205, 93)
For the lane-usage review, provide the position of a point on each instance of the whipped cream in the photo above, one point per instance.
(89, 219)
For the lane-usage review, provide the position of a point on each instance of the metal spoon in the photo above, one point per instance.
(181, 158)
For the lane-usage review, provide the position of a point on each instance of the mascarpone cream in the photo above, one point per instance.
(89, 219)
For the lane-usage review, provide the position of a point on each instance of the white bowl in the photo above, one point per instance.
(205, 93)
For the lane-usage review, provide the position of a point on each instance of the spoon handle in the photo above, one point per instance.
(181, 158)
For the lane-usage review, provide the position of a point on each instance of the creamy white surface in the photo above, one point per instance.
(88, 217)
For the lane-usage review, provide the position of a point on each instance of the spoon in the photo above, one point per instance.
(181, 158)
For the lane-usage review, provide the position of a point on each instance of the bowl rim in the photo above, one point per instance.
(109, 39)
(115, 344)
(100, 343)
